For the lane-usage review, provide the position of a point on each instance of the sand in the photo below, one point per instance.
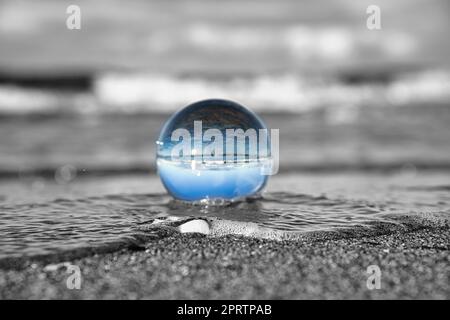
(413, 260)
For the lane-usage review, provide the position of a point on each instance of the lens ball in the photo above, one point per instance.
(213, 150)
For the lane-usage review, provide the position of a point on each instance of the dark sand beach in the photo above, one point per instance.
(413, 259)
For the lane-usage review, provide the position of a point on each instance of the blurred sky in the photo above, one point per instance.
(222, 36)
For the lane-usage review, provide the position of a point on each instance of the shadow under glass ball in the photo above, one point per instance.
(196, 174)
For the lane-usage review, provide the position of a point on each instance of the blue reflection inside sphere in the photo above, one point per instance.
(208, 151)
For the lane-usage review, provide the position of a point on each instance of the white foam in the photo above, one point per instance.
(22, 101)
(220, 228)
(162, 93)
(275, 93)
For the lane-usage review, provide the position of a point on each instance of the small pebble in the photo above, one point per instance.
(198, 226)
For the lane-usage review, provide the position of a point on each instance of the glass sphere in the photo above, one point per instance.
(213, 150)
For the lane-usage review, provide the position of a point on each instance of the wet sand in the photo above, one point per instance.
(413, 258)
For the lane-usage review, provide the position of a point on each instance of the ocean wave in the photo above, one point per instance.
(16, 100)
(283, 93)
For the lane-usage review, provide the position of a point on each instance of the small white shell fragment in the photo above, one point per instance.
(55, 267)
(198, 226)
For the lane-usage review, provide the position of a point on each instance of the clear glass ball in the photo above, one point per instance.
(213, 150)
